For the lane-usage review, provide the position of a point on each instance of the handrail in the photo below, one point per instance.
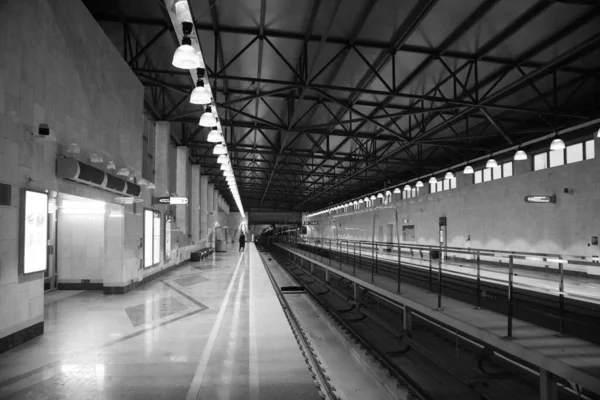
(550, 257)
(349, 252)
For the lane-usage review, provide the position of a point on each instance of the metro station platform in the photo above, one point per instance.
(207, 330)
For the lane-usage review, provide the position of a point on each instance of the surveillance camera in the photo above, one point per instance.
(43, 130)
(43, 134)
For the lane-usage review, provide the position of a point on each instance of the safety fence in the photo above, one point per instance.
(570, 295)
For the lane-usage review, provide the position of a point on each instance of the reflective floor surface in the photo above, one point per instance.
(207, 330)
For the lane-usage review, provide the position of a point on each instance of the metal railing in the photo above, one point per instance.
(383, 261)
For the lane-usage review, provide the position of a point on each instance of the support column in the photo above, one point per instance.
(522, 167)
(204, 211)
(548, 386)
(407, 319)
(211, 215)
(216, 205)
(181, 188)
(195, 204)
(356, 292)
(161, 158)
(463, 180)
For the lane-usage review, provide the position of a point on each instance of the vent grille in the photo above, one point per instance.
(5, 194)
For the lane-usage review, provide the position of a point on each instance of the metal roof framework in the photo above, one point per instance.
(322, 101)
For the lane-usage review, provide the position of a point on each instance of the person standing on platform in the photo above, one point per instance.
(242, 241)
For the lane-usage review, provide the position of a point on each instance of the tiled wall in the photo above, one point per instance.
(57, 67)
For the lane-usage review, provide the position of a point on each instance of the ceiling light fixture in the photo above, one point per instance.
(419, 184)
(557, 144)
(468, 170)
(520, 155)
(407, 188)
(397, 190)
(449, 175)
(214, 136)
(491, 163)
(186, 57)
(219, 149)
(433, 179)
(222, 158)
(208, 118)
(200, 94)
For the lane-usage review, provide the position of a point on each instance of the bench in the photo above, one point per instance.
(201, 254)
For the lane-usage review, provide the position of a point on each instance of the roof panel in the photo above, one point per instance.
(443, 19)
(550, 21)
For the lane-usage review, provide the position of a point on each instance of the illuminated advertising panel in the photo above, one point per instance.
(156, 258)
(34, 231)
(148, 239)
(168, 222)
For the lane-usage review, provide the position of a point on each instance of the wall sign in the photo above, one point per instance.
(170, 200)
(540, 199)
(34, 231)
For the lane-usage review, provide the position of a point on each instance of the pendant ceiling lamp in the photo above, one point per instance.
(366, 199)
(419, 184)
(449, 175)
(468, 170)
(491, 163)
(520, 155)
(407, 188)
(225, 166)
(222, 158)
(557, 144)
(373, 197)
(219, 149)
(361, 201)
(397, 190)
(186, 57)
(380, 195)
(228, 173)
(214, 136)
(433, 179)
(200, 94)
(208, 118)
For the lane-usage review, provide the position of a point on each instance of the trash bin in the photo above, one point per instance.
(221, 245)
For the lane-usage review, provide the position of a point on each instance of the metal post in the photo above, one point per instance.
(478, 281)
(353, 258)
(372, 263)
(407, 320)
(399, 267)
(347, 253)
(561, 298)
(359, 256)
(430, 272)
(548, 386)
(510, 296)
(440, 279)
(376, 260)
(329, 253)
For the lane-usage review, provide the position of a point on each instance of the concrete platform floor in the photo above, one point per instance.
(207, 330)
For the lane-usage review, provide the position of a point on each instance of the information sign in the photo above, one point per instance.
(540, 199)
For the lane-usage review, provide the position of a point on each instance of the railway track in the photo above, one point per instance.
(431, 359)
